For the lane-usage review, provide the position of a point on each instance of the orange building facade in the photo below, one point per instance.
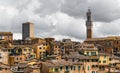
(6, 36)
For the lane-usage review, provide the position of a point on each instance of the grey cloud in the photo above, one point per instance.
(69, 26)
(110, 29)
(103, 10)
(48, 7)
(60, 17)
(73, 30)
(75, 8)
(21, 4)
(106, 10)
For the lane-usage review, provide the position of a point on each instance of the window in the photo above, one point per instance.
(9, 50)
(83, 67)
(60, 68)
(81, 60)
(30, 50)
(104, 57)
(88, 61)
(110, 59)
(0, 37)
(87, 53)
(20, 58)
(78, 67)
(117, 42)
(102, 49)
(44, 48)
(58, 46)
(109, 43)
(99, 61)
(93, 53)
(0, 55)
(73, 59)
(116, 49)
(25, 50)
(56, 69)
(102, 68)
(104, 61)
(0, 68)
(55, 46)
(88, 68)
(73, 67)
(16, 58)
(15, 63)
(94, 66)
(32, 56)
(93, 71)
(5, 68)
(97, 66)
(66, 68)
(94, 60)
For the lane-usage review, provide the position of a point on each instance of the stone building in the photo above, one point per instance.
(6, 36)
(27, 30)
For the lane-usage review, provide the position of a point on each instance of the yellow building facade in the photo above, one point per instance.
(40, 51)
(14, 60)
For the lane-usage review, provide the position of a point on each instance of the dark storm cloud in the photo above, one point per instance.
(75, 8)
(103, 10)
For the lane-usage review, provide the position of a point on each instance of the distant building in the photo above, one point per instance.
(50, 45)
(92, 60)
(49, 39)
(16, 59)
(27, 30)
(4, 68)
(20, 54)
(106, 44)
(66, 40)
(60, 66)
(6, 36)
(40, 51)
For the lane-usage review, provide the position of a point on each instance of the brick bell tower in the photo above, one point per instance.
(89, 25)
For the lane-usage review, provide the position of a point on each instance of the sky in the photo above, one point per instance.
(60, 18)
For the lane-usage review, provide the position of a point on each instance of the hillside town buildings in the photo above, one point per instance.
(46, 55)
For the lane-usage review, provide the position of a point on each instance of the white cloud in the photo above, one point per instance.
(17, 36)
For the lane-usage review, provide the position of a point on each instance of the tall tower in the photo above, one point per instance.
(89, 24)
(27, 30)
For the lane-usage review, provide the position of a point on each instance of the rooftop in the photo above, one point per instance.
(6, 33)
(104, 38)
(28, 23)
